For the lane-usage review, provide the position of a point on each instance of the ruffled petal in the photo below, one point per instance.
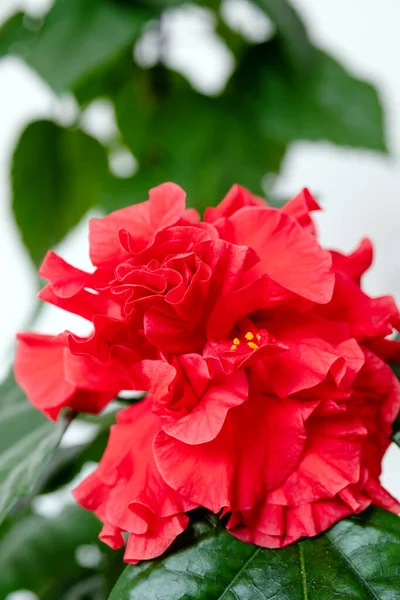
(273, 526)
(237, 197)
(356, 263)
(315, 349)
(160, 535)
(288, 254)
(330, 463)
(204, 422)
(366, 317)
(299, 208)
(65, 279)
(166, 205)
(40, 371)
(236, 469)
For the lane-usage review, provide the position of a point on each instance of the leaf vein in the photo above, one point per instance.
(303, 571)
(353, 567)
(246, 564)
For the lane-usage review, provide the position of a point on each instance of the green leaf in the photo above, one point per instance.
(57, 175)
(39, 554)
(77, 38)
(292, 31)
(326, 103)
(359, 559)
(27, 442)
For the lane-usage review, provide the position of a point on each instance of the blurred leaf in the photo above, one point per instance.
(68, 462)
(292, 31)
(39, 554)
(106, 82)
(357, 558)
(27, 442)
(18, 418)
(77, 38)
(57, 175)
(18, 34)
(326, 104)
(203, 144)
(90, 588)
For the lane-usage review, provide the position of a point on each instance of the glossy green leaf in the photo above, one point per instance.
(358, 559)
(326, 103)
(77, 38)
(58, 174)
(27, 442)
(40, 554)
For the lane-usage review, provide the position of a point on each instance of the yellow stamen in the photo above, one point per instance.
(252, 345)
(249, 336)
(233, 347)
(236, 341)
(258, 336)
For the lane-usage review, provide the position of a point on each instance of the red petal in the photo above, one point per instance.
(299, 208)
(159, 537)
(205, 421)
(65, 279)
(315, 348)
(236, 198)
(330, 462)
(235, 469)
(356, 263)
(276, 527)
(166, 205)
(288, 254)
(40, 371)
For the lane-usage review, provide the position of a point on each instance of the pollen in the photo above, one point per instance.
(252, 345)
(249, 336)
(236, 341)
(233, 347)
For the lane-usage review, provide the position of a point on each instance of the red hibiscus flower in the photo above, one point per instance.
(269, 398)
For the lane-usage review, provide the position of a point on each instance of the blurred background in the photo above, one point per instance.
(102, 99)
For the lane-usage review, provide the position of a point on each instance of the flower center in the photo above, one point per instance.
(249, 338)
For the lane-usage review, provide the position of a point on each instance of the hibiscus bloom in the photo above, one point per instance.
(269, 402)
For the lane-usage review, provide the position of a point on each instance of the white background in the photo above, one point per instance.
(360, 190)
